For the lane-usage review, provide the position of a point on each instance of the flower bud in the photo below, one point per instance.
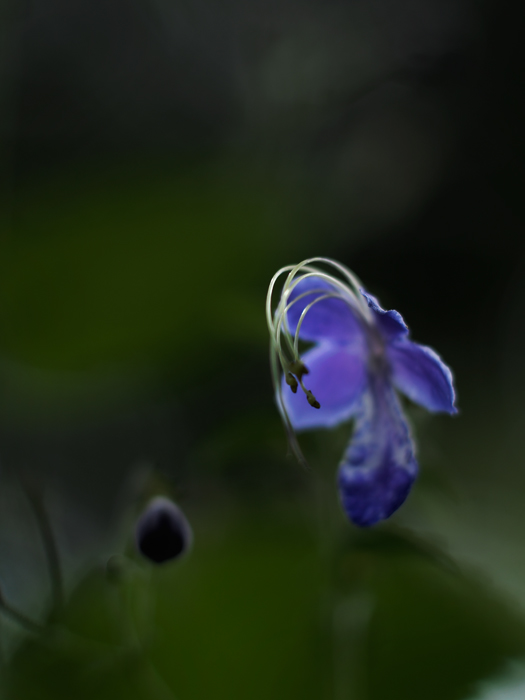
(162, 532)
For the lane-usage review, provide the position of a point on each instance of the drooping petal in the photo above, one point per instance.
(337, 378)
(379, 467)
(329, 319)
(390, 322)
(420, 373)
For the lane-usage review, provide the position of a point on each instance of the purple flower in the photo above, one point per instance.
(361, 355)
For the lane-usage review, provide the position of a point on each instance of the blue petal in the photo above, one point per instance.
(420, 373)
(379, 467)
(337, 378)
(330, 319)
(390, 322)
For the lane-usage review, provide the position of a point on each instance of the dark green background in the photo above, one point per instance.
(160, 161)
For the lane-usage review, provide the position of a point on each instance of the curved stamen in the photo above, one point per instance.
(347, 295)
(278, 322)
(353, 290)
(348, 290)
(355, 283)
(282, 321)
(290, 434)
(306, 310)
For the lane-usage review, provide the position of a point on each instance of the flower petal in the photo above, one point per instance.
(420, 373)
(390, 322)
(337, 378)
(329, 319)
(379, 467)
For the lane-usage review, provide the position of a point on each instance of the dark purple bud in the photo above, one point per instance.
(162, 531)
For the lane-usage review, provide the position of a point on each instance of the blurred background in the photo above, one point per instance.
(160, 160)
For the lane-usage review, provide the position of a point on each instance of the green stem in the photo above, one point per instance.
(26, 622)
(35, 499)
(348, 609)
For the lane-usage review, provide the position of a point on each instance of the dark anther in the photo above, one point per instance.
(162, 531)
(292, 382)
(299, 369)
(312, 400)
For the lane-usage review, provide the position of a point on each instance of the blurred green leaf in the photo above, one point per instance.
(435, 629)
(237, 620)
(254, 612)
(242, 620)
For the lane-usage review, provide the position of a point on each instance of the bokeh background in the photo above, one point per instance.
(159, 161)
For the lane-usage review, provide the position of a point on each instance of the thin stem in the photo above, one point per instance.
(346, 610)
(34, 497)
(26, 622)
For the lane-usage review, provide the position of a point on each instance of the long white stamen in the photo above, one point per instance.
(303, 315)
(346, 289)
(346, 295)
(355, 283)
